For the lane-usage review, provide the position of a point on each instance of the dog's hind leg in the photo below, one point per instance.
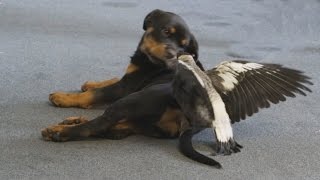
(95, 127)
(139, 105)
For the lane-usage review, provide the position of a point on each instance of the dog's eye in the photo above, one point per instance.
(166, 32)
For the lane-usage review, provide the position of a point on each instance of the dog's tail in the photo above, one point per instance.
(185, 145)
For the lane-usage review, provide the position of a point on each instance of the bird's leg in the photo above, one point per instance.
(224, 135)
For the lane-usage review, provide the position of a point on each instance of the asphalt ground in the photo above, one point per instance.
(48, 46)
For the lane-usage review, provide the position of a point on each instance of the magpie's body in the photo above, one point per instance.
(202, 104)
(227, 93)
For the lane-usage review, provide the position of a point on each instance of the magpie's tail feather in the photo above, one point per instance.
(185, 145)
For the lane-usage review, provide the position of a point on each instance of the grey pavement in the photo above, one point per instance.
(48, 46)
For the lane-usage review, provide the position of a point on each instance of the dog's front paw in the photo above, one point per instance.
(61, 99)
(227, 148)
(56, 133)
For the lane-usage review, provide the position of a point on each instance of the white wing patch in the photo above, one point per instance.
(229, 80)
(229, 71)
(221, 123)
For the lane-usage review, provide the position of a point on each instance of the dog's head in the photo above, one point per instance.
(166, 35)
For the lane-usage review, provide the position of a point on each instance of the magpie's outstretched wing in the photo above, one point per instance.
(247, 86)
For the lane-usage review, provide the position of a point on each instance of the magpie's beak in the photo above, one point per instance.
(182, 56)
(185, 57)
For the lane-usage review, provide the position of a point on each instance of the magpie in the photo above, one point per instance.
(226, 94)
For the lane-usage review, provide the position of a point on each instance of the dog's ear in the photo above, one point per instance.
(148, 19)
(193, 49)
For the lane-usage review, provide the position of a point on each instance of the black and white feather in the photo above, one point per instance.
(247, 86)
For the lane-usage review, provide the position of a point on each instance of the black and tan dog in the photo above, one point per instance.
(141, 101)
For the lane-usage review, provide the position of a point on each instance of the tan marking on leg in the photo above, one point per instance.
(89, 85)
(82, 100)
(132, 68)
(125, 125)
(170, 121)
(73, 120)
(122, 129)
